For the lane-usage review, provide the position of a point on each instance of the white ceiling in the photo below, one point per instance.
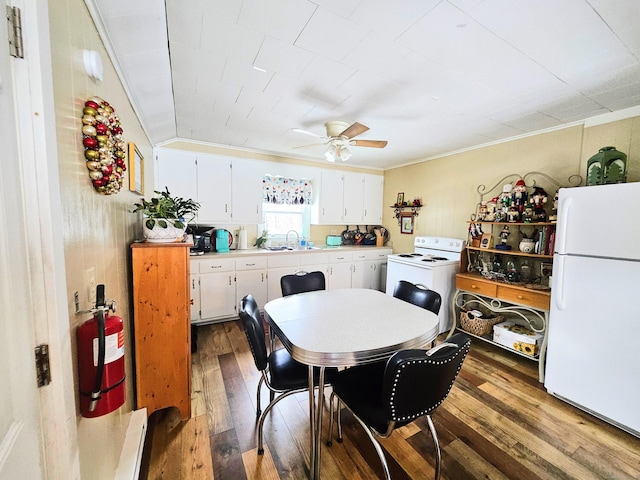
(429, 76)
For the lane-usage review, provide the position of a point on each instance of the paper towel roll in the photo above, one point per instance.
(242, 239)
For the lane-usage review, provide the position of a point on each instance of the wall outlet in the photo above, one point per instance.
(90, 282)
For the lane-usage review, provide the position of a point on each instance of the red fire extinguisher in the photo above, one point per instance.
(101, 368)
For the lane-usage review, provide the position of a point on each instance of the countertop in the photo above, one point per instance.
(263, 251)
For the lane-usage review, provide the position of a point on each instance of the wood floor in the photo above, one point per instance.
(497, 423)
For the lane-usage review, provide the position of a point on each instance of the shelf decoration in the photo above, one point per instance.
(104, 147)
(402, 209)
(607, 166)
(406, 223)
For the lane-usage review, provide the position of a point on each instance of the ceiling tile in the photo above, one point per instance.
(282, 19)
(278, 56)
(391, 18)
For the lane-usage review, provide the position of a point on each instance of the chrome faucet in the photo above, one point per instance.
(297, 239)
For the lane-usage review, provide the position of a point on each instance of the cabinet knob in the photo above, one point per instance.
(474, 286)
(520, 297)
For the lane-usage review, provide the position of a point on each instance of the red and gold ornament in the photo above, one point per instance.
(104, 146)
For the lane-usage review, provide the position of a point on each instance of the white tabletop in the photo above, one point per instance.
(348, 326)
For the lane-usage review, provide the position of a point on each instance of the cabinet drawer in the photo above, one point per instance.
(524, 297)
(251, 263)
(283, 259)
(314, 258)
(338, 257)
(476, 286)
(216, 265)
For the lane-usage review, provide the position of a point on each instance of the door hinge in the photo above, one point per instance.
(43, 370)
(14, 28)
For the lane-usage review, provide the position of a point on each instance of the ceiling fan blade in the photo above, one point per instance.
(369, 143)
(306, 132)
(354, 129)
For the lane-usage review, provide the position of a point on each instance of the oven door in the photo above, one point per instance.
(399, 270)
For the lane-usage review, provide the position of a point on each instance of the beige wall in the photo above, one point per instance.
(97, 228)
(448, 185)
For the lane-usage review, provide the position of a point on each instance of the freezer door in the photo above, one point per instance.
(594, 327)
(599, 221)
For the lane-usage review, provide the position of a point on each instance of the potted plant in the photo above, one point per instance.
(166, 217)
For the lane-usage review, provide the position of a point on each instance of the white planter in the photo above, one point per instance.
(163, 235)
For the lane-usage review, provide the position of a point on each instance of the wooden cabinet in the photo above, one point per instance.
(373, 189)
(251, 278)
(214, 188)
(161, 326)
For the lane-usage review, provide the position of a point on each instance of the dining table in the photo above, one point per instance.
(344, 328)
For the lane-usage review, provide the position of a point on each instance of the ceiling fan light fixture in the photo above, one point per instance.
(345, 153)
(332, 153)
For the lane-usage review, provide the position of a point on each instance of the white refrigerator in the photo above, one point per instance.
(593, 354)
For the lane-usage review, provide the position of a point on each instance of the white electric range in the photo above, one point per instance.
(434, 264)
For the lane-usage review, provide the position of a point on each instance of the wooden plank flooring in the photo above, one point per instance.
(497, 423)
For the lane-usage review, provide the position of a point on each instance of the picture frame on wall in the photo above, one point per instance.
(400, 199)
(136, 169)
(406, 223)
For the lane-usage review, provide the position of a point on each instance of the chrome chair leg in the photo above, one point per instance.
(434, 435)
(266, 412)
(258, 410)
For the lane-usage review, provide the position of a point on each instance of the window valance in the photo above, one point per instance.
(286, 191)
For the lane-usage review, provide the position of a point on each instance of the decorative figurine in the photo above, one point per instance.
(512, 214)
(504, 234)
(539, 198)
(491, 210)
(504, 201)
(527, 215)
(519, 197)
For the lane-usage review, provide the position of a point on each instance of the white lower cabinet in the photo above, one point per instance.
(217, 289)
(279, 265)
(339, 270)
(218, 283)
(251, 278)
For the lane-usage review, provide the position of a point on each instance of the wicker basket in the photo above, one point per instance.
(480, 326)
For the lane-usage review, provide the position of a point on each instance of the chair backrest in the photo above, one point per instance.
(302, 282)
(416, 382)
(254, 329)
(418, 295)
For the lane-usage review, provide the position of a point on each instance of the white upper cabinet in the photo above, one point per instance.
(214, 188)
(228, 189)
(353, 198)
(176, 170)
(246, 190)
(329, 200)
(372, 198)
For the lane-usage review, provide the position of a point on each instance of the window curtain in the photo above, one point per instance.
(286, 191)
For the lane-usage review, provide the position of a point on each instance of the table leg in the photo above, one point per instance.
(318, 430)
(312, 426)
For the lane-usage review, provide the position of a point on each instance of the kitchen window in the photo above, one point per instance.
(286, 207)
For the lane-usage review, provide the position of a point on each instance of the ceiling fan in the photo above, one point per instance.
(340, 137)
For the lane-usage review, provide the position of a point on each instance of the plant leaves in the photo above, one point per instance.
(150, 223)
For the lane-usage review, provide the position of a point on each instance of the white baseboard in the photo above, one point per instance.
(133, 446)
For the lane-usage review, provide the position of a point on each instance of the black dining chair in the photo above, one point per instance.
(279, 371)
(414, 384)
(419, 295)
(300, 282)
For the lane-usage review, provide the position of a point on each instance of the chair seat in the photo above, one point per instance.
(288, 374)
(361, 389)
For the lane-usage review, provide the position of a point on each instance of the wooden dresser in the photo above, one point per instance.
(161, 325)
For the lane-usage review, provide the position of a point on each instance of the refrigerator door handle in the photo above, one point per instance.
(558, 280)
(562, 225)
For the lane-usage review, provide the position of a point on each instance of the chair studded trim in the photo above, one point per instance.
(405, 395)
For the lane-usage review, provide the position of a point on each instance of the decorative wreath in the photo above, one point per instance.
(104, 146)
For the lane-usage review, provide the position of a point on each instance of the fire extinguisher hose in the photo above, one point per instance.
(97, 387)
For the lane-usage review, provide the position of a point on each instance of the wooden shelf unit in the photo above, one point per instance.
(162, 326)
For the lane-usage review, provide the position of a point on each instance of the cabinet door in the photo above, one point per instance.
(361, 274)
(246, 191)
(214, 189)
(274, 290)
(376, 275)
(252, 282)
(194, 284)
(339, 275)
(373, 188)
(176, 170)
(353, 197)
(330, 202)
(217, 295)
